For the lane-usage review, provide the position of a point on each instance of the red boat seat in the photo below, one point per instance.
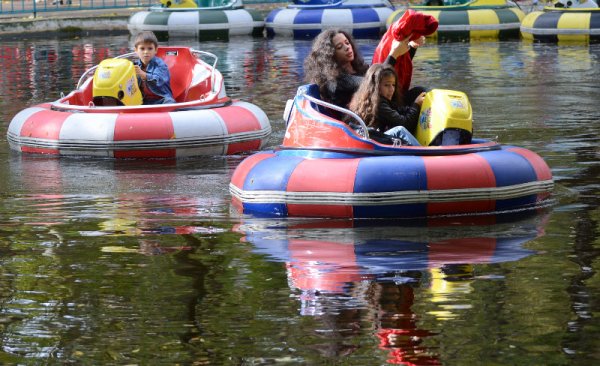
(181, 65)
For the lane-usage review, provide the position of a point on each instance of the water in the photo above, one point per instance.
(146, 262)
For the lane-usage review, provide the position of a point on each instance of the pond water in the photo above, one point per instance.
(145, 262)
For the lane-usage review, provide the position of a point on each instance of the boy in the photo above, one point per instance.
(153, 74)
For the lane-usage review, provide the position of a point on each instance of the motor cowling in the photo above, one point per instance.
(115, 84)
(178, 4)
(446, 118)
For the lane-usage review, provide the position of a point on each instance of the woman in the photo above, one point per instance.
(337, 67)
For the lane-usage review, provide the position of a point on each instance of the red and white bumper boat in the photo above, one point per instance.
(203, 121)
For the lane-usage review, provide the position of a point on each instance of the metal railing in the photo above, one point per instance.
(41, 6)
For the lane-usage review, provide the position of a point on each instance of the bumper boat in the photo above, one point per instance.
(325, 168)
(477, 19)
(201, 19)
(104, 117)
(573, 21)
(307, 18)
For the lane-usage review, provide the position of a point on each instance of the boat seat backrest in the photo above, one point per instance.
(313, 91)
(181, 64)
(309, 89)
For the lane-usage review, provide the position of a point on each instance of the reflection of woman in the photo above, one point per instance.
(397, 328)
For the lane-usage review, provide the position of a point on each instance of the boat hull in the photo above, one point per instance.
(230, 129)
(362, 20)
(466, 23)
(318, 183)
(202, 24)
(566, 25)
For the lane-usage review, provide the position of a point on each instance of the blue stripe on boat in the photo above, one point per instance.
(271, 16)
(277, 168)
(364, 15)
(374, 175)
(309, 17)
(511, 169)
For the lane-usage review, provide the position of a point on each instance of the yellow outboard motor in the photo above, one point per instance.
(178, 3)
(115, 84)
(446, 119)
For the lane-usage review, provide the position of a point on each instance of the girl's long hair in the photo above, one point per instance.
(321, 67)
(365, 102)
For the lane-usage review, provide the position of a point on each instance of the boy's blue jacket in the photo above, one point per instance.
(159, 79)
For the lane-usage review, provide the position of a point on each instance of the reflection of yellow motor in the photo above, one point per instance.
(115, 84)
(446, 119)
(179, 3)
(449, 285)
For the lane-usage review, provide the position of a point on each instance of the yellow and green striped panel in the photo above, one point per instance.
(576, 25)
(462, 24)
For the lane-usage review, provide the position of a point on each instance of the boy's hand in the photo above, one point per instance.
(141, 73)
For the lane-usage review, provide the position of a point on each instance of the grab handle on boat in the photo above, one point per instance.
(214, 65)
(362, 129)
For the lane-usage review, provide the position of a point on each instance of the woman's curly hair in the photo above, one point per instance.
(321, 67)
(365, 102)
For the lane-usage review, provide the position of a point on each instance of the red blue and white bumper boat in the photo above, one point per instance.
(307, 18)
(325, 168)
(203, 121)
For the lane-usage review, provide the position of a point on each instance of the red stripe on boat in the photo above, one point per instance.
(44, 124)
(238, 119)
(152, 126)
(323, 175)
(39, 150)
(241, 172)
(459, 172)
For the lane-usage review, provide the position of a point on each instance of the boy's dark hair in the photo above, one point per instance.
(146, 37)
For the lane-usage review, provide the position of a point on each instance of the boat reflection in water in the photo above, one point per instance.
(359, 272)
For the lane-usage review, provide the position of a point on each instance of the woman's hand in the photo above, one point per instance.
(417, 42)
(399, 48)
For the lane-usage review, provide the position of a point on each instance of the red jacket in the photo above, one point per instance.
(413, 22)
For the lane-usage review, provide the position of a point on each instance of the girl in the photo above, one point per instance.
(378, 102)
